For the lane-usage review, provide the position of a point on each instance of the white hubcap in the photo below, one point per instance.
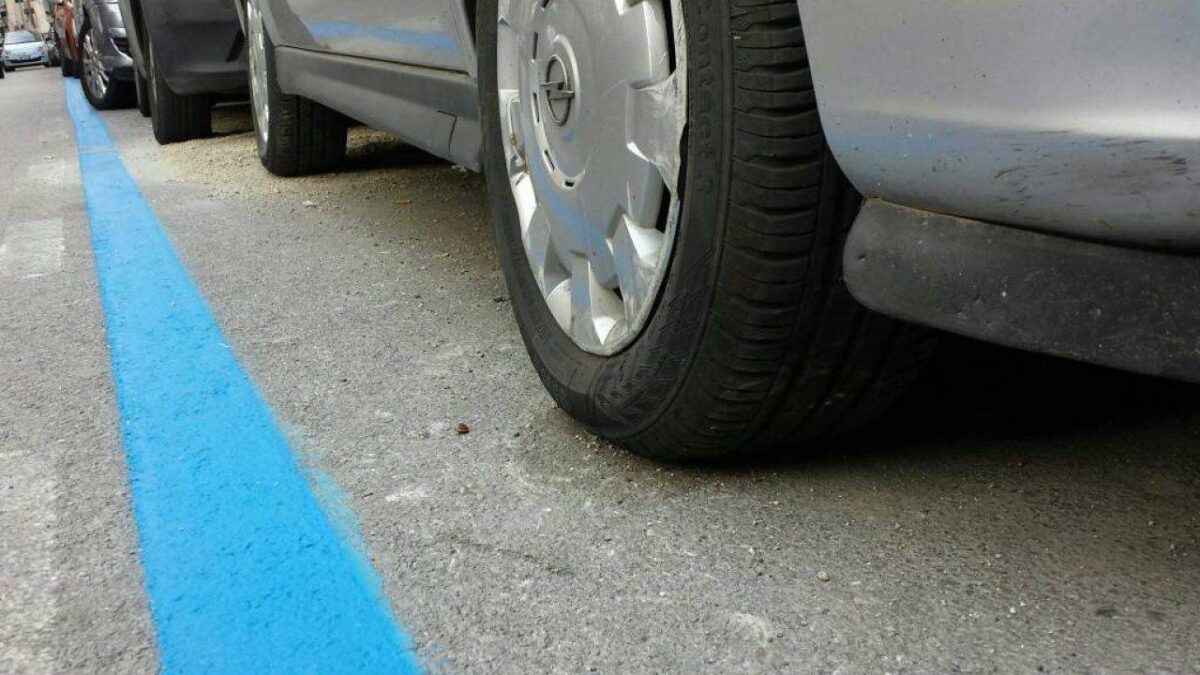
(593, 104)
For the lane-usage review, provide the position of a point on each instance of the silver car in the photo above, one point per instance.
(22, 48)
(697, 201)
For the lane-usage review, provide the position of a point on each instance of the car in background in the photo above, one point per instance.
(697, 201)
(188, 54)
(21, 48)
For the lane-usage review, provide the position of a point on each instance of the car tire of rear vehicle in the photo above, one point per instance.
(116, 94)
(175, 118)
(754, 343)
(298, 136)
(141, 89)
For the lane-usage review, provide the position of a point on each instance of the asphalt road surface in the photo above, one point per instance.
(1015, 514)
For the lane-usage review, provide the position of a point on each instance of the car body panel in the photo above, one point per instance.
(396, 81)
(200, 48)
(431, 109)
(426, 33)
(1078, 117)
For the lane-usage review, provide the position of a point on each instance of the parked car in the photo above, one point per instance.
(689, 195)
(187, 54)
(104, 65)
(21, 48)
(63, 30)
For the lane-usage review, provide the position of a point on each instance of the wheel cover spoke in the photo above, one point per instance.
(593, 111)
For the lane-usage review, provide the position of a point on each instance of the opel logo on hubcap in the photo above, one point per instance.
(557, 90)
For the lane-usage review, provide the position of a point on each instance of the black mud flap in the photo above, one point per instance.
(1126, 308)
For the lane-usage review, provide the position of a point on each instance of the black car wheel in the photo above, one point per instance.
(174, 117)
(713, 320)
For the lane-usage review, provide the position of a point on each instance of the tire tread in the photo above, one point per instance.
(790, 357)
(175, 118)
(305, 137)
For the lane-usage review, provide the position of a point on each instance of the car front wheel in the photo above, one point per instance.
(671, 225)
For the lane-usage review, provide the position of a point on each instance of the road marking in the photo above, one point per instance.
(32, 249)
(52, 171)
(244, 570)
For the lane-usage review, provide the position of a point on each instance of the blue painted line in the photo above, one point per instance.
(244, 571)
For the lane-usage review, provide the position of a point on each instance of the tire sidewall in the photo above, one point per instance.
(141, 91)
(154, 90)
(264, 146)
(274, 99)
(619, 396)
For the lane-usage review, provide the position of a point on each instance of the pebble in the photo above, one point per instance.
(823, 575)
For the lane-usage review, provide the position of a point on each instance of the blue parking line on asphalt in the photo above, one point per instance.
(244, 571)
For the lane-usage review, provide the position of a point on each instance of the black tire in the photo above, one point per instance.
(303, 137)
(67, 67)
(118, 95)
(175, 118)
(755, 344)
(141, 91)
